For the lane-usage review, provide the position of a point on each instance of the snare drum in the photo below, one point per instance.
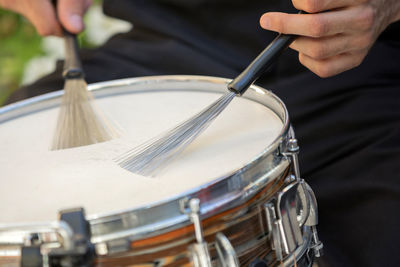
(233, 198)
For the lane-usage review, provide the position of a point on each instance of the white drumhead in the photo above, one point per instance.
(36, 183)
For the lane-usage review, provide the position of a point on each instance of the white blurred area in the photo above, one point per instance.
(99, 28)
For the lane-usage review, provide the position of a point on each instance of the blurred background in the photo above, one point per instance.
(25, 56)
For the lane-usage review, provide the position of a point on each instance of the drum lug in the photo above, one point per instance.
(226, 252)
(283, 223)
(199, 250)
(291, 151)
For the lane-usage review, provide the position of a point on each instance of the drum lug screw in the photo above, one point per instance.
(317, 245)
(312, 221)
(194, 206)
(293, 145)
(199, 250)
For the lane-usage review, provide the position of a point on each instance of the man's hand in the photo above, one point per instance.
(339, 38)
(42, 14)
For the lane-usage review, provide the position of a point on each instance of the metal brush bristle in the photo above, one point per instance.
(152, 156)
(79, 122)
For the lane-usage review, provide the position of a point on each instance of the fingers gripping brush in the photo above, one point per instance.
(79, 122)
(153, 155)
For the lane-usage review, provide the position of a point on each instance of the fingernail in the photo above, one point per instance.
(265, 22)
(76, 22)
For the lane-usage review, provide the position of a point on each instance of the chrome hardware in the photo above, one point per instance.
(101, 249)
(82, 253)
(293, 146)
(292, 152)
(273, 224)
(115, 246)
(317, 246)
(33, 243)
(226, 253)
(312, 221)
(308, 215)
(57, 234)
(199, 251)
(194, 206)
(200, 255)
(283, 221)
(287, 213)
(304, 204)
(290, 179)
(66, 241)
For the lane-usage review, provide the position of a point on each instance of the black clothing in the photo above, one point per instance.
(348, 126)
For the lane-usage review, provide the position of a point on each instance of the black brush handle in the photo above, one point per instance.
(261, 63)
(72, 63)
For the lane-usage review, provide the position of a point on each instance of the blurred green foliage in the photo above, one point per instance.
(19, 42)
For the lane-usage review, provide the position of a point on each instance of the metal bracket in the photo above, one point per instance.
(286, 205)
(283, 221)
(198, 251)
(43, 247)
(226, 252)
(273, 225)
(31, 243)
(82, 252)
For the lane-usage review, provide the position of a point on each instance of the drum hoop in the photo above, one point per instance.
(235, 187)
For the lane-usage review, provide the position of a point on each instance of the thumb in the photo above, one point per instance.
(70, 13)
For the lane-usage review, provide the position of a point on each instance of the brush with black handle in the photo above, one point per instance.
(149, 158)
(79, 122)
